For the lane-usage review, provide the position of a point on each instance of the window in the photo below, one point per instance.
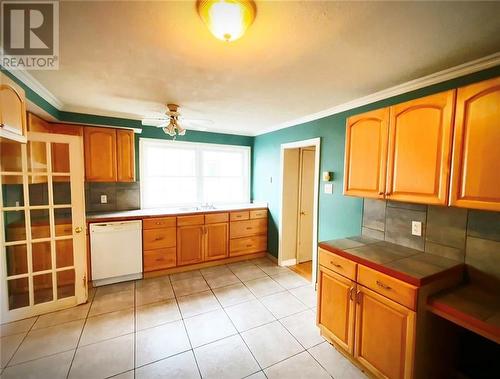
(185, 173)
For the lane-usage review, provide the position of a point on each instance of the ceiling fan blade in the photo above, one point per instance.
(196, 121)
(158, 122)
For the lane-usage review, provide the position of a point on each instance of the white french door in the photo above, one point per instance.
(42, 222)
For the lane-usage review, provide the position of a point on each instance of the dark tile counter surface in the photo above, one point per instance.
(409, 265)
(175, 211)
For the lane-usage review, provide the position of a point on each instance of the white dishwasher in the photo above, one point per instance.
(116, 251)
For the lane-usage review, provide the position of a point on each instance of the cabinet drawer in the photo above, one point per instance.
(248, 228)
(214, 218)
(258, 213)
(159, 238)
(338, 264)
(159, 259)
(248, 245)
(158, 222)
(190, 220)
(241, 215)
(387, 286)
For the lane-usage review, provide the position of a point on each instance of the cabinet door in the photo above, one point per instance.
(189, 244)
(366, 154)
(12, 109)
(336, 308)
(125, 155)
(385, 333)
(476, 154)
(216, 241)
(100, 154)
(420, 137)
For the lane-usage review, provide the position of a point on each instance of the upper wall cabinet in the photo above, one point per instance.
(100, 154)
(366, 154)
(109, 155)
(12, 110)
(419, 149)
(125, 155)
(476, 147)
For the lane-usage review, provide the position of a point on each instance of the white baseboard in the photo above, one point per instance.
(289, 262)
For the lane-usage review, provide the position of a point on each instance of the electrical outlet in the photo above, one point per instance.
(329, 188)
(416, 228)
(104, 199)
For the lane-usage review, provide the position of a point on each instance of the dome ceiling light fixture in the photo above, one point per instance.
(227, 20)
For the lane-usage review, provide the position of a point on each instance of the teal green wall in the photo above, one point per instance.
(339, 216)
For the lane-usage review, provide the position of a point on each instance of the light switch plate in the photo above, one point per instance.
(416, 228)
(329, 188)
(104, 199)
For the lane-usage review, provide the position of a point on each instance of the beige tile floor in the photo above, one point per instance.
(250, 319)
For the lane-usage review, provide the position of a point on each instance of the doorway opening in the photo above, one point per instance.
(299, 207)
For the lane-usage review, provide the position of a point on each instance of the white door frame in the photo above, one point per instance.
(316, 142)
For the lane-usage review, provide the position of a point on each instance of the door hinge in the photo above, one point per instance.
(84, 279)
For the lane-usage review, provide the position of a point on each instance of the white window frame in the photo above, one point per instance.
(198, 146)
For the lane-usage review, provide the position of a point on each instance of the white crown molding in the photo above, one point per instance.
(425, 81)
(25, 77)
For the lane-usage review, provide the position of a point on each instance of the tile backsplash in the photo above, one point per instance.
(120, 196)
(467, 235)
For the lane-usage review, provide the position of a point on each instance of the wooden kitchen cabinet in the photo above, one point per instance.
(247, 232)
(336, 307)
(190, 244)
(366, 154)
(12, 110)
(476, 152)
(125, 155)
(419, 149)
(385, 334)
(100, 154)
(109, 155)
(216, 241)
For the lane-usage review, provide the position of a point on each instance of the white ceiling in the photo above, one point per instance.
(128, 59)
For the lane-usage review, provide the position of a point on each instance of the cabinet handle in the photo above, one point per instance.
(249, 228)
(358, 297)
(387, 193)
(351, 294)
(249, 246)
(335, 264)
(384, 286)
(158, 223)
(380, 193)
(158, 238)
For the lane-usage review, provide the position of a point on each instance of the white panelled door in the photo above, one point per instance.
(43, 265)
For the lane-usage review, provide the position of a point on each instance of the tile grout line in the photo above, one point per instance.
(238, 333)
(19, 346)
(80, 337)
(185, 328)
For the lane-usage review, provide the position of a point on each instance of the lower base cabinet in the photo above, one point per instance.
(190, 243)
(216, 241)
(385, 333)
(336, 308)
(372, 329)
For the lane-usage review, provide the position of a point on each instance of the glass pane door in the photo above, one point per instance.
(42, 225)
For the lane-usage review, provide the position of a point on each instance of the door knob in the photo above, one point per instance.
(78, 229)
(302, 213)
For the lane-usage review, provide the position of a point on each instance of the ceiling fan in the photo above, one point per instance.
(171, 122)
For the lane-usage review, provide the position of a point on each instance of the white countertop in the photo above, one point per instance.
(150, 212)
